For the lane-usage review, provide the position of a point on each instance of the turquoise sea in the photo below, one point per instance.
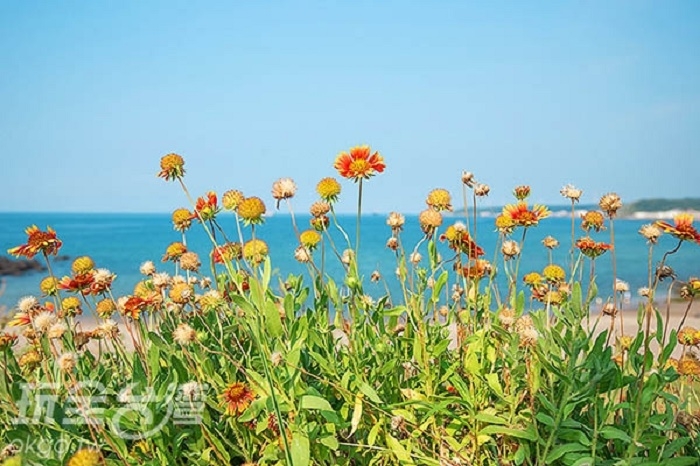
(121, 242)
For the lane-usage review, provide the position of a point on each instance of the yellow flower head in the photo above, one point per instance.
(174, 251)
(172, 167)
(105, 308)
(328, 189)
(82, 265)
(689, 336)
(554, 273)
(181, 293)
(505, 224)
(310, 239)
(439, 199)
(255, 251)
(182, 219)
(251, 210)
(429, 220)
(49, 286)
(533, 279)
(231, 199)
(86, 457)
(553, 297)
(71, 306)
(592, 220)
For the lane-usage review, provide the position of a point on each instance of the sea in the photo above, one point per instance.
(122, 242)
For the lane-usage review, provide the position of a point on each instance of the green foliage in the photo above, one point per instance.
(304, 371)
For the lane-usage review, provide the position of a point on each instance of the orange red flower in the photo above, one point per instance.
(592, 248)
(38, 241)
(459, 240)
(206, 209)
(521, 215)
(359, 163)
(236, 398)
(682, 228)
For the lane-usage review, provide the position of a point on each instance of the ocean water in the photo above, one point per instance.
(121, 242)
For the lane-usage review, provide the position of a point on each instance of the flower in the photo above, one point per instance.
(66, 362)
(255, 251)
(550, 242)
(610, 203)
(49, 286)
(181, 293)
(347, 257)
(554, 273)
(468, 179)
(184, 335)
(210, 301)
(396, 221)
(522, 216)
(439, 199)
(376, 276)
(147, 268)
(28, 304)
(533, 279)
(105, 308)
(689, 336)
(182, 219)
(284, 188)
(359, 164)
(682, 228)
(43, 320)
(505, 225)
(236, 397)
(30, 360)
(392, 243)
(82, 265)
(190, 261)
(510, 249)
(102, 280)
(429, 220)
(310, 239)
(459, 240)
(78, 283)
(174, 251)
(71, 306)
(319, 223)
(231, 199)
(108, 329)
(57, 330)
(132, 306)
(20, 320)
(251, 210)
(38, 241)
(415, 258)
(480, 268)
(328, 189)
(227, 252)
(521, 192)
(86, 457)
(621, 286)
(319, 209)
(592, 248)
(592, 220)
(481, 189)
(570, 192)
(506, 316)
(651, 232)
(302, 254)
(206, 209)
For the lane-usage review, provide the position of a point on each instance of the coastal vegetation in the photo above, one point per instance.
(220, 360)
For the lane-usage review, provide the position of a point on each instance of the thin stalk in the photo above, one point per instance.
(359, 218)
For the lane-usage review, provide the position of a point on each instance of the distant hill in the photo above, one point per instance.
(660, 205)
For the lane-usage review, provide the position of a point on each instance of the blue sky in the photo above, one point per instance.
(605, 95)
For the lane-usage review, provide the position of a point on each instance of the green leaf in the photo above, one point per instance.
(370, 393)
(613, 433)
(562, 450)
(315, 402)
(299, 449)
(527, 434)
(374, 431)
(356, 413)
(438, 286)
(398, 450)
(273, 323)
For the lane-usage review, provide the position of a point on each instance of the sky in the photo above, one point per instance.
(604, 95)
